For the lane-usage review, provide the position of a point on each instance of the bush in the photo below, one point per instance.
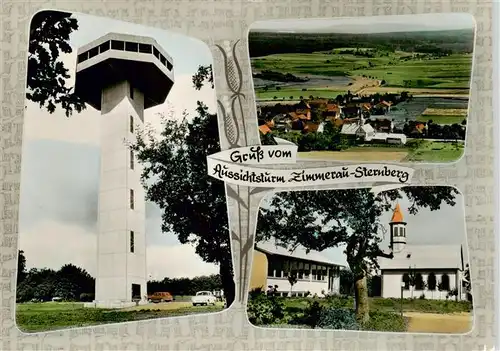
(86, 297)
(312, 314)
(383, 321)
(337, 318)
(264, 309)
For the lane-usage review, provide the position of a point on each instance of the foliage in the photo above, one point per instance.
(349, 217)
(203, 75)
(21, 267)
(385, 321)
(186, 286)
(69, 283)
(46, 77)
(338, 318)
(264, 309)
(193, 203)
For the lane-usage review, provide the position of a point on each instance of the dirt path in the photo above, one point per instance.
(456, 323)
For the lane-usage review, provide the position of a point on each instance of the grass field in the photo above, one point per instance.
(450, 72)
(37, 317)
(427, 151)
(441, 119)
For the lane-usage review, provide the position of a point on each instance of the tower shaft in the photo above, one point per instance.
(121, 271)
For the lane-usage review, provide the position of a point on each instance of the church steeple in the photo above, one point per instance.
(398, 230)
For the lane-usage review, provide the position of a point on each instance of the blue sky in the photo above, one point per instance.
(441, 227)
(60, 165)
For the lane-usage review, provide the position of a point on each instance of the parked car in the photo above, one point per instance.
(57, 299)
(203, 298)
(161, 296)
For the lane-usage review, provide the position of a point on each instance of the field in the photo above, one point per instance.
(441, 119)
(449, 75)
(419, 315)
(37, 317)
(427, 151)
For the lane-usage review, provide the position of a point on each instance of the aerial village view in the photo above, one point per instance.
(364, 91)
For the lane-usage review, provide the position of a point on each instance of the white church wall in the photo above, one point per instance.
(391, 286)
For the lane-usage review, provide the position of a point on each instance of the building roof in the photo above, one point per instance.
(270, 248)
(425, 257)
(397, 215)
(349, 128)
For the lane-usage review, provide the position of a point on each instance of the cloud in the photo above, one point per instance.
(52, 244)
(177, 261)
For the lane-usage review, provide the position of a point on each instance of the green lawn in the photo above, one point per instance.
(453, 71)
(296, 93)
(441, 119)
(434, 151)
(378, 304)
(37, 317)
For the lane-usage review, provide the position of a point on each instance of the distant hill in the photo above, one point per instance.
(264, 43)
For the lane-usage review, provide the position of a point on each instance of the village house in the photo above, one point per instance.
(316, 275)
(303, 108)
(437, 270)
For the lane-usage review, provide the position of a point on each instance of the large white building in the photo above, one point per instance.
(437, 269)
(316, 275)
(121, 75)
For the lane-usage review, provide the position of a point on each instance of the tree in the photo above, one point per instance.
(204, 75)
(466, 283)
(175, 178)
(292, 279)
(21, 267)
(350, 218)
(431, 283)
(46, 78)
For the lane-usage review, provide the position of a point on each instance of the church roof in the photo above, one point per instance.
(270, 248)
(425, 257)
(397, 215)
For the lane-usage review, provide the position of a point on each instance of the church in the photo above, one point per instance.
(430, 271)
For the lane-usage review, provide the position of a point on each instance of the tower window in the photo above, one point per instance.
(104, 46)
(117, 45)
(156, 52)
(131, 124)
(131, 159)
(133, 47)
(93, 52)
(132, 203)
(145, 48)
(169, 65)
(132, 248)
(83, 57)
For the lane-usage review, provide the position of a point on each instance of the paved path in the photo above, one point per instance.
(456, 323)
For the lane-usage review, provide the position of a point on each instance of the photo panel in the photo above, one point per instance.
(387, 259)
(119, 220)
(384, 88)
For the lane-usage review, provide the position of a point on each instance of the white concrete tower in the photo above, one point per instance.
(398, 230)
(122, 75)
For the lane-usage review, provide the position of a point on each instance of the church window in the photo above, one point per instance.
(431, 281)
(300, 274)
(445, 282)
(406, 280)
(419, 282)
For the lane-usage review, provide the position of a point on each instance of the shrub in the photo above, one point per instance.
(383, 321)
(264, 309)
(311, 314)
(86, 297)
(337, 318)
